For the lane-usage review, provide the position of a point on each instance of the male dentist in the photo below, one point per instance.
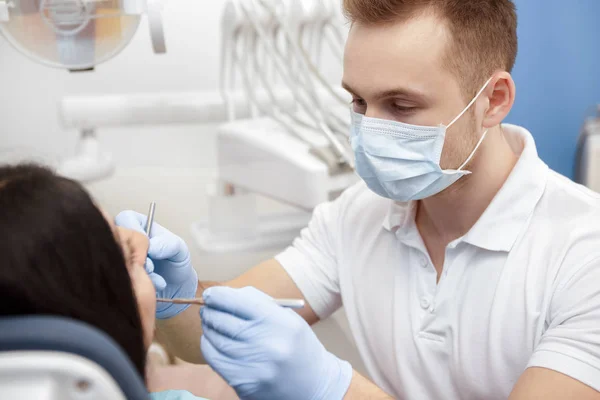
(468, 269)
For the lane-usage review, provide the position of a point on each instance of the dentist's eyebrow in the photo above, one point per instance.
(400, 92)
(407, 94)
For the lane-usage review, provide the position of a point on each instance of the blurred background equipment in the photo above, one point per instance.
(285, 130)
(294, 147)
(77, 34)
(587, 162)
(54, 358)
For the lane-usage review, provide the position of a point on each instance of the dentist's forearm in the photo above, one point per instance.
(361, 388)
(181, 334)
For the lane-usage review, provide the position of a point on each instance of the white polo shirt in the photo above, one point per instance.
(520, 289)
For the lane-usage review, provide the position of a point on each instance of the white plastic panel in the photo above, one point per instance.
(258, 155)
(45, 375)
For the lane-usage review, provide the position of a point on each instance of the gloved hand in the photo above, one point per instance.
(267, 352)
(168, 264)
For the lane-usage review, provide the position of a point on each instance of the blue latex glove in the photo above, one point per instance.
(267, 352)
(168, 264)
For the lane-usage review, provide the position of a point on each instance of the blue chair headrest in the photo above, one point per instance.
(48, 333)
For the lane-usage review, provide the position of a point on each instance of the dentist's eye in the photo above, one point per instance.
(403, 110)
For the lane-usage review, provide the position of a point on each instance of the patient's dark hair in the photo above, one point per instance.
(59, 257)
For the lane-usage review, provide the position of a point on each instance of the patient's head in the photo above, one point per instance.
(61, 256)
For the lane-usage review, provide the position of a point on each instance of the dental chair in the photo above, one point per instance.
(51, 358)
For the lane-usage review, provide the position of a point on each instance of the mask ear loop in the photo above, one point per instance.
(473, 152)
(470, 104)
(462, 113)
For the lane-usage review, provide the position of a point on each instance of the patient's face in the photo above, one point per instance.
(142, 285)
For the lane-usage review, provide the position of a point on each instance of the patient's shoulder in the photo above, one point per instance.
(174, 395)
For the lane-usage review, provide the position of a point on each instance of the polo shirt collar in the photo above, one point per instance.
(509, 212)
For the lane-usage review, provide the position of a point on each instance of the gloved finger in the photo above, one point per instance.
(247, 303)
(158, 282)
(168, 247)
(131, 220)
(225, 346)
(149, 265)
(223, 323)
(212, 356)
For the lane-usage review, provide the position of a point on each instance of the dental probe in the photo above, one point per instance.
(286, 303)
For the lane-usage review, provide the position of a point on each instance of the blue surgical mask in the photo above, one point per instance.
(401, 161)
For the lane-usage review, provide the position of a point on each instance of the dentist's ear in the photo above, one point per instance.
(501, 95)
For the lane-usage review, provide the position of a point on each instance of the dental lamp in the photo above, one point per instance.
(77, 35)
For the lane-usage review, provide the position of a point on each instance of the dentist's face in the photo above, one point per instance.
(397, 72)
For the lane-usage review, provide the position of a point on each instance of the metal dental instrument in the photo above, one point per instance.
(286, 303)
(150, 219)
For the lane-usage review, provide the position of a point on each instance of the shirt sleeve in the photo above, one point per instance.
(174, 395)
(571, 344)
(312, 261)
